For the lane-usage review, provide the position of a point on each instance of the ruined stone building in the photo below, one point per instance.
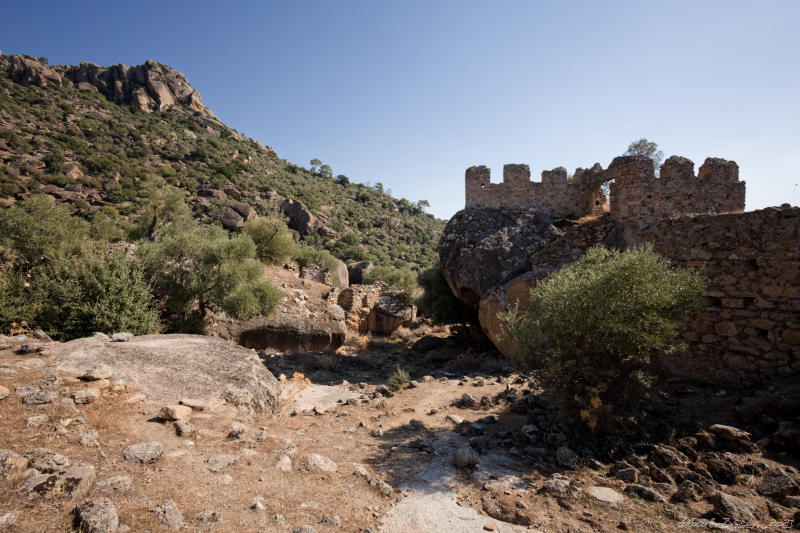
(749, 325)
(636, 193)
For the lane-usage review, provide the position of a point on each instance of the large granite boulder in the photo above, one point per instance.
(483, 248)
(168, 368)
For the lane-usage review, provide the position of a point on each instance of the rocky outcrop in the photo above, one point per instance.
(169, 367)
(356, 271)
(296, 326)
(149, 87)
(483, 248)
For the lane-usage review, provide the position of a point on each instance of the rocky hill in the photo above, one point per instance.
(105, 137)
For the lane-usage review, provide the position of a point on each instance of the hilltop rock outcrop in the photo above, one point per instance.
(151, 86)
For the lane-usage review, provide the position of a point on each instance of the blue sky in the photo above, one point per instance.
(410, 93)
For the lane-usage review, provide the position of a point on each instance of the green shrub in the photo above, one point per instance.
(401, 279)
(274, 242)
(398, 379)
(437, 300)
(308, 255)
(598, 329)
(196, 269)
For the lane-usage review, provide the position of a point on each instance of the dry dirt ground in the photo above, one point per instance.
(393, 456)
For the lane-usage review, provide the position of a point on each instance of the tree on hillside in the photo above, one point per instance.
(646, 148)
(325, 171)
(315, 164)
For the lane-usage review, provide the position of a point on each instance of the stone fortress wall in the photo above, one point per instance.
(636, 194)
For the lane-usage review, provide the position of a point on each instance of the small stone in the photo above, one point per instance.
(304, 529)
(3, 392)
(98, 372)
(259, 504)
(332, 521)
(175, 412)
(88, 438)
(169, 513)
(321, 462)
(455, 419)
(40, 397)
(566, 457)
(238, 430)
(284, 463)
(46, 460)
(97, 515)
(628, 475)
(360, 470)
(734, 508)
(85, 396)
(35, 421)
(729, 432)
(488, 527)
(144, 452)
(136, 398)
(376, 432)
(468, 400)
(644, 493)
(117, 484)
(606, 494)
(558, 485)
(218, 462)
(466, 457)
(384, 487)
(184, 429)
(121, 337)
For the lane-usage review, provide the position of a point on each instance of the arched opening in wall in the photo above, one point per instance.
(606, 188)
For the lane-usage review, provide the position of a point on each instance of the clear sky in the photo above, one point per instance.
(410, 93)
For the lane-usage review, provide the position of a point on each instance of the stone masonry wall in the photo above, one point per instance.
(552, 196)
(635, 192)
(750, 323)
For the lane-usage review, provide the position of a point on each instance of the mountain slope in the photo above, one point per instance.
(104, 138)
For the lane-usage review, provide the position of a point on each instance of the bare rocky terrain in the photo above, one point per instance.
(93, 438)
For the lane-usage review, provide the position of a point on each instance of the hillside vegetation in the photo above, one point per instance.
(106, 156)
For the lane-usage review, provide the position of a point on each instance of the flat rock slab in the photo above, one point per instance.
(320, 398)
(431, 504)
(168, 368)
(606, 494)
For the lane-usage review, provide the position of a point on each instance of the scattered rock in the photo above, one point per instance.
(210, 405)
(566, 457)
(88, 438)
(776, 484)
(98, 372)
(734, 508)
(321, 462)
(238, 430)
(729, 433)
(606, 494)
(3, 392)
(455, 419)
(121, 337)
(46, 460)
(466, 457)
(175, 412)
(644, 493)
(688, 491)
(284, 463)
(97, 515)
(85, 396)
(468, 400)
(143, 452)
(304, 529)
(384, 487)
(557, 485)
(11, 463)
(35, 421)
(184, 429)
(218, 462)
(115, 484)
(332, 521)
(40, 397)
(169, 513)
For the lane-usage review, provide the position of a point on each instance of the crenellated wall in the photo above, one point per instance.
(553, 196)
(636, 194)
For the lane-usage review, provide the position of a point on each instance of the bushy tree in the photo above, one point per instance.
(648, 149)
(598, 329)
(401, 279)
(438, 301)
(196, 269)
(273, 240)
(308, 255)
